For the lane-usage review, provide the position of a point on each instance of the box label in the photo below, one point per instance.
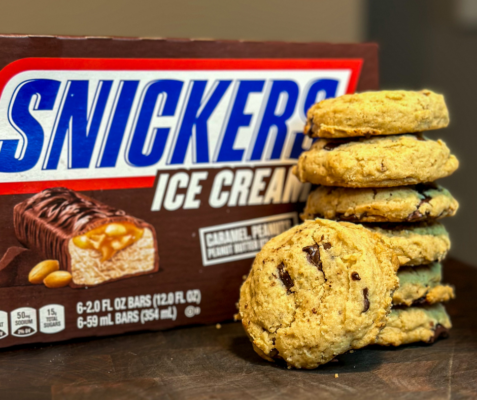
(135, 192)
(104, 124)
(240, 240)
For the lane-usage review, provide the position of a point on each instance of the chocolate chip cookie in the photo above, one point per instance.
(422, 285)
(416, 244)
(377, 113)
(388, 161)
(415, 324)
(400, 204)
(316, 291)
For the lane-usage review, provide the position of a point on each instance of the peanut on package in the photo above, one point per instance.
(139, 178)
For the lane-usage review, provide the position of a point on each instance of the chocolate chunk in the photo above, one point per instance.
(415, 216)
(310, 130)
(440, 331)
(285, 277)
(313, 256)
(273, 353)
(366, 300)
(333, 144)
(421, 189)
(420, 301)
(351, 217)
(420, 136)
(327, 246)
(355, 276)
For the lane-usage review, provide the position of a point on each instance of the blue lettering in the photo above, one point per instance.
(172, 90)
(270, 119)
(297, 147)
(325, 87)
(45, 91)
(118, 125)
(237, 120)
(74, 123)
(198, 119)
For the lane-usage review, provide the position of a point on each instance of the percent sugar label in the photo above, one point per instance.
(52, 318)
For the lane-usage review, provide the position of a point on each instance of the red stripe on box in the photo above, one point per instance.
(78, 184)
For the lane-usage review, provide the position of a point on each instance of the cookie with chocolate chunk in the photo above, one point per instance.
(415, 324)
(377, 113)
(387, 161)
(400, 204)
(316, 291)
(416, 244)
(422, 285)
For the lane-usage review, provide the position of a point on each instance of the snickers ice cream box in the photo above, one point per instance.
(139, 177)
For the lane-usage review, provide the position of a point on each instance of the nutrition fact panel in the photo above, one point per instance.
(23, 322)
(3, 324)
(52, 318)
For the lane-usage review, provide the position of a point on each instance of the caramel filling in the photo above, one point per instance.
(109, 239)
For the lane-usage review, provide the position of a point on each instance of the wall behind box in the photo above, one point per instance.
(338, 21)
(424, 45)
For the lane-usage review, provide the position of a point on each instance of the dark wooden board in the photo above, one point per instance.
(210, 363)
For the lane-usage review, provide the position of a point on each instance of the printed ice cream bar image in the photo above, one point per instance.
(96, 243)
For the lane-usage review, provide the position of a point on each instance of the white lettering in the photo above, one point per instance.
(218, 197)
(194, 189)
(173, 201)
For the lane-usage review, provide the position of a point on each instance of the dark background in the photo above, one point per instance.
(433, 44)
(424, 44)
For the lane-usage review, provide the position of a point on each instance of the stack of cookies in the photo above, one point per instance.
(375, 167)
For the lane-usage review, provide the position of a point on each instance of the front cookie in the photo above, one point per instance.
(377, 113)
(422, 285)
(389, 161)
(316, 291)
(400, 204)
(416, 244)
(415, 324)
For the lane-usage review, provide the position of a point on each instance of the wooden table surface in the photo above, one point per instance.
(210, 363)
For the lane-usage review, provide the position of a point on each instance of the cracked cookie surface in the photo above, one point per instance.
(388, 161)
(416, 244)
(422, 285)
(317, 290)
(398, 204)
(415, 324)
(377, 113)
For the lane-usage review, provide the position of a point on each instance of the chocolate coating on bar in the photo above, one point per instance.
(66, 210)
(48, 220)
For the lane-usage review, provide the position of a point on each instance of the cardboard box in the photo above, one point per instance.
(139, 177)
